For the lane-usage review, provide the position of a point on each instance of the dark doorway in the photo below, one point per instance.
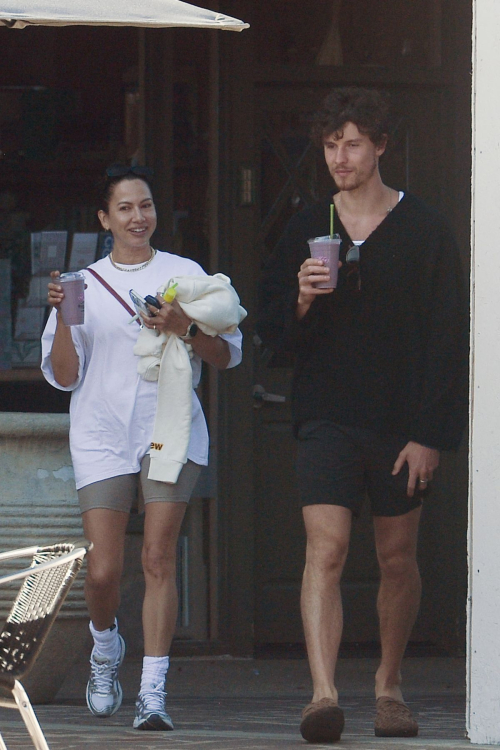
(419, 60)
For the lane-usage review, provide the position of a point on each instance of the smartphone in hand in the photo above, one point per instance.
(153, 301)
(140, 304)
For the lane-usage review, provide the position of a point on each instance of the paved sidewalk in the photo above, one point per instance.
(243, 704)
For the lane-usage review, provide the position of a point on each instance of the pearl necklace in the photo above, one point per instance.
(135, 268)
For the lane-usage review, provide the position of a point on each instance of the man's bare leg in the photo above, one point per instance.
(399, 595)
(328, 529)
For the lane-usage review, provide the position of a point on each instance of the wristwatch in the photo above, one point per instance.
(191, 332)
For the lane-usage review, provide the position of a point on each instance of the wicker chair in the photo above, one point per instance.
(45, 586)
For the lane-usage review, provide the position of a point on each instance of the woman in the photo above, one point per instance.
(112, 417)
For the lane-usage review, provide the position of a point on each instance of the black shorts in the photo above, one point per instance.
(338, 465)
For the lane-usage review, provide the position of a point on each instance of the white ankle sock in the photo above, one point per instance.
(154, 671)
(106, 641)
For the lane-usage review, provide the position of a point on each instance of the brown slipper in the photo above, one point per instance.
(394, 719)
(322, 721)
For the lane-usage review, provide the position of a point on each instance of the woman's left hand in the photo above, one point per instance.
(170, 318)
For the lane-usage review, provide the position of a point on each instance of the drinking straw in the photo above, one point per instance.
(332, 212)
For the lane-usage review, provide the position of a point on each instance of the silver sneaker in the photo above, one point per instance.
(150, 711)
(104, 692)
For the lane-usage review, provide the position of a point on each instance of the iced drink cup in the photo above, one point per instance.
(73, 305)
(327, 249)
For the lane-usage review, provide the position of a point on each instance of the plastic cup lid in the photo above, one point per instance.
(326, 238)
(71, 276)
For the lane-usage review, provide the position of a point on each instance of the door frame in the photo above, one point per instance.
(240, 77)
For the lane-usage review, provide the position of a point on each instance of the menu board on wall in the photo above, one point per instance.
(83, 250)
(105, 244)
(29, 323)
(38, 290)
(48, 252)
(5, 318)
(36, 244)
(26, 353)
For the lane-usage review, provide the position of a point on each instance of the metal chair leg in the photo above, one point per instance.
(29, 717)
(45, 584)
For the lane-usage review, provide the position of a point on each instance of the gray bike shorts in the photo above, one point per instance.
(133, 490)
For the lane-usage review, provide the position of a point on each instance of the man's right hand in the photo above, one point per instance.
(311, 271)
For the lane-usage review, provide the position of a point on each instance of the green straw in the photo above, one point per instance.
(332, 212)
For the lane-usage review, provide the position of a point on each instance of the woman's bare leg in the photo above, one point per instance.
(159, 557)
(106, 530)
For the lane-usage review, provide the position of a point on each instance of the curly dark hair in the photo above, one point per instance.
(368, 109)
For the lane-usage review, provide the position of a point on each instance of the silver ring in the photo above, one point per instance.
(423, 481)
(155, 330)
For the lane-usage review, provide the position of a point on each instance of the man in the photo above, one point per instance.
(380, 388)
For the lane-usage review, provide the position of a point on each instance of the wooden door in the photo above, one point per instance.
(273, 77)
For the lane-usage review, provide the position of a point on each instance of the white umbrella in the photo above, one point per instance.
(18, 14)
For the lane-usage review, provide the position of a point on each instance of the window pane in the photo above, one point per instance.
(385, 33)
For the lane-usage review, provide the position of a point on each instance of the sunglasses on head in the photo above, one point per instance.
(353, 277)
(120, 170)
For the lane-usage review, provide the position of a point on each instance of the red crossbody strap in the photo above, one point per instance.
(112, 291)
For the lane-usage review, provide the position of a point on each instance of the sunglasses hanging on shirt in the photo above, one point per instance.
(353, 276)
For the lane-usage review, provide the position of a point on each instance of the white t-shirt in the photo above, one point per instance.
(113, 409)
